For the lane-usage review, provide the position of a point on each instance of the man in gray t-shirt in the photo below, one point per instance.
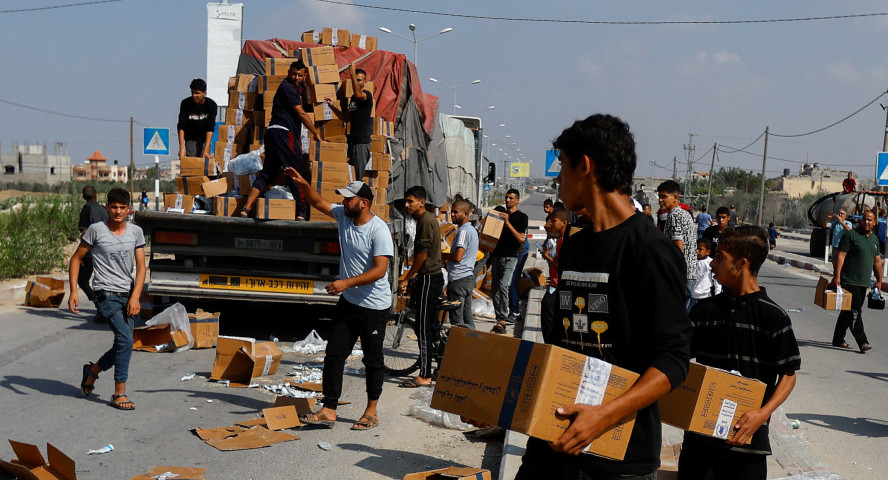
(116, 246)
(461, 265)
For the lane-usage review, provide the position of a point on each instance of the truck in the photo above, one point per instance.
(819, 211)
(216, 257)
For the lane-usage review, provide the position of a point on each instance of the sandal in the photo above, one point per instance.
(366, 422)
(85, 388)
(842, 345)
(317, 420)
(122, 404)
(412, 383)
(243, 213)
(499, 328)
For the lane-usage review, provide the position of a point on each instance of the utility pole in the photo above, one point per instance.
(762, 192)
(675, 168)
(711, 168)
(689, 149)
(884, 140)
(132, 164)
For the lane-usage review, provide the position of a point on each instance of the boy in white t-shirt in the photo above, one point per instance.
(706, 285)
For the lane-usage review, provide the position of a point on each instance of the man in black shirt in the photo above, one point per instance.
(621, 290)
(504, 257)
(743, 330)
(360, 106)
(91, 213)
(197, 120)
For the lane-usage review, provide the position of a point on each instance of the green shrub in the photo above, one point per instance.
(33, 235)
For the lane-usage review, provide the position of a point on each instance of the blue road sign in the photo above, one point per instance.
(553, 167)
(882, 169)
(157, 141)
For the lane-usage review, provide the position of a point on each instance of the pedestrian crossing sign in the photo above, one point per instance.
(882, 169)
(553, 166)
(157, 141)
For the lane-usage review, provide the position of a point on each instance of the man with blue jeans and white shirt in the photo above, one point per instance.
(115, 246)
(461, 265)
(365, 296)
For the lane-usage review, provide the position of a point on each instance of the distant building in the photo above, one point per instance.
(34, 164)
(813, 179)
(95, 169)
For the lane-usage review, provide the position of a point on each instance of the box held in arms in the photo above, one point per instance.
(523, 383)
(710, 401)
(491, 230)
(839, 299)
(239, 359)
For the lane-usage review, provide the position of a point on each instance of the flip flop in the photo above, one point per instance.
(123, 404)
(412, 383)
(314, 419)
(499, 328)
(243, 213)
(87, 372)
(366, 422)
(842, 345)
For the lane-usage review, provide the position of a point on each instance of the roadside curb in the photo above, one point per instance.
(13, 293)
(798, 261)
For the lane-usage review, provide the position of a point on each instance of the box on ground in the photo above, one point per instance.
(275, 209)
(710, 400)
(491, 229)
(158, 338)
(44, 292)
(523, 383)
(240, 359)
(29, 463)
(178, 201)
(831, 300)
(204, 328)
(451, 473)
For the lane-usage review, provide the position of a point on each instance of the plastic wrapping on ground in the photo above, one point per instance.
(422, 410)
(177, 317)
(279, 192)
(483, 307)
(310, 345)
(288, 390)
(245, 163)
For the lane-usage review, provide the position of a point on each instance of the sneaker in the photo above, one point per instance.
(512, 318)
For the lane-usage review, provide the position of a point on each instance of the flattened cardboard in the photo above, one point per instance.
(181, 473)
(829, 299)
(451, 473)
(523, 383)
(178, 201)
(281, 418)
(710, 400)
(158, 338)
(303, 406)
(240, 438)
(30, 465)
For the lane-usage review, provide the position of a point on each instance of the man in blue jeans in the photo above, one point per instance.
(504, 258)
(116, 246)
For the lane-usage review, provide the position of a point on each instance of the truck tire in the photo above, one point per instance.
(817, 245)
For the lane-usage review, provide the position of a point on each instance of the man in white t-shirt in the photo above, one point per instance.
(461, 265)
(365, 296)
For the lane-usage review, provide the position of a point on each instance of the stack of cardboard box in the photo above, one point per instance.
(339, 37)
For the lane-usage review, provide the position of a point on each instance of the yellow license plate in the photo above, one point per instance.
(256, 284)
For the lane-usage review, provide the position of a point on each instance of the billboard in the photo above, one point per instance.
(518, 170)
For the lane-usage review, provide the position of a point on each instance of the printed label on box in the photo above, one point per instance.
(593, 383)
(725, 417)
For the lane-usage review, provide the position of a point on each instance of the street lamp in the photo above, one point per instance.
(454, 87)
(414, 40)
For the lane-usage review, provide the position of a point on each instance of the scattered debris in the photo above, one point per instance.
(325, 446)
(106, 449)
(189, 377)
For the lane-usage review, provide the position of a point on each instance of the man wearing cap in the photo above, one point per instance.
(365, 296)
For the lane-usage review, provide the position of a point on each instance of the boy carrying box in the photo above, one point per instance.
(763, 346)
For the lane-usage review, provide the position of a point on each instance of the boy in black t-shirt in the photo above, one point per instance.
(197, 120)
(762, 346)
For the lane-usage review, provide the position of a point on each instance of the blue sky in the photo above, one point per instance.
(724, 83)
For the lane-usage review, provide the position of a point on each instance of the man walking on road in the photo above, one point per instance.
(115, 246)
(365, 296)
(461, 265)
(680, 229)
(429, 283)
(857, 259)
(91, 213)
(504, 258)
(603, 270)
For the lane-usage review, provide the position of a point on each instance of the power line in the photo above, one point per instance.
(606, 22)
(69, 115)
(833, 124)
(52, 7)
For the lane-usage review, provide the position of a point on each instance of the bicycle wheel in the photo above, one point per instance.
(400, 349)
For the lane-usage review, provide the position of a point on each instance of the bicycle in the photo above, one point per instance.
(400, 347)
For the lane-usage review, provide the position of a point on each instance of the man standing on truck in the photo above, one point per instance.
(365, 296)
(91, 213)
(283, 139)
(429, 283)
(857, 258)
(197, 120)
(360, 105)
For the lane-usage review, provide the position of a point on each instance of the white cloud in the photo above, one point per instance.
(842, 71)
(702, 56)
(725, 57)
(589, 67)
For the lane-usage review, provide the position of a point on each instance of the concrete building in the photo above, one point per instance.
(813, 179)
(34, 164)
(95, 169)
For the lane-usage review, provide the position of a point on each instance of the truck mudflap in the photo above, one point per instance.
(245, 287)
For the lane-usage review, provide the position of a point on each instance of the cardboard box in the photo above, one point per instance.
(840, 299)
(275, 209)
(244, 83)
(336, 36)
(381, 211)
(315, 215)
(233, 134)
(228, 206)
(204, 328)
(196, 166)
(376, 178)
(491, 229)
(383, 127)
(347, 90)
(379, 143)
(328, 152)
(278, 65)
(44, 292)
(191, 185)
(379, 195)
(327, 191)
(178, 201)
(158, 338)
(523, 383)
(239, 359)
(245, 183)
(451, 473)
(363, 41)
(29, 463)
(336, 173)
(224, 152)
(379, 162)
(239, 117)
(448, 234)
(536, 276)
(336, 139)
(268, 85)
(710, 400)
(323, 74)
(332, 128)
(323, 113)
(312, 36)
(317, 55)
(217, 187)
(242, 100)
(319, 91)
